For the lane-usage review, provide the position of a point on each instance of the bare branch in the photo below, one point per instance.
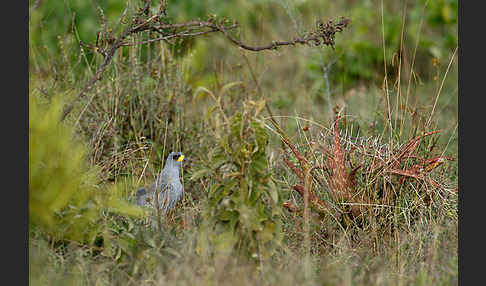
(324, 35)
(107, 45)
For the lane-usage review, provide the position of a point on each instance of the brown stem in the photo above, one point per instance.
(294, 169)
(324, 34)
(315, 202)
(291, 207)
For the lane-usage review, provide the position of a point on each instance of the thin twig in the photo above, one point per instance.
(107, 45)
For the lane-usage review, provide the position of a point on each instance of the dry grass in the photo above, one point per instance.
(369, 198)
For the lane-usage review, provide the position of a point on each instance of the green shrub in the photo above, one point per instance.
(243, 203)
(64, 199)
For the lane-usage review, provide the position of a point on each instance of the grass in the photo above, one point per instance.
(424, 256)
(384, 223)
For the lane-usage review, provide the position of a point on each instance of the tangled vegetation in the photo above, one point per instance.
(300, 169)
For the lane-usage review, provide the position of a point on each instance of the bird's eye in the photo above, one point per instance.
(175, 157)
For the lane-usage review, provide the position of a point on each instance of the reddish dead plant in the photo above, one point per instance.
(341, 181)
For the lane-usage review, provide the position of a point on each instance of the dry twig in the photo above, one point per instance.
(107, 44)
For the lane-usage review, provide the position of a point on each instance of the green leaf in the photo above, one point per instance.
(272, 191)
(259, 167)
(267, 233)
(214, 188)
(223, 242)
(236, 124)
(200, 174)
(226, 215)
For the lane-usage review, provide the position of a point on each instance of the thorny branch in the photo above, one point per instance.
(107, 45)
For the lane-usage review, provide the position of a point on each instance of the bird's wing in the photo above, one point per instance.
(162, 185)
(168, 191)
(167, 198)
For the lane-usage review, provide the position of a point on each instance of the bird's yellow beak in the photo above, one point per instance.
(181, 157)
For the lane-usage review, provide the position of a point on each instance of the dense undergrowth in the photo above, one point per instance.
(348, 183)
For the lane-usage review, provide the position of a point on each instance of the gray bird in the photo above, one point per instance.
(168, 184)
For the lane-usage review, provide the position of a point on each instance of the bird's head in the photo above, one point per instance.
(175, 158)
